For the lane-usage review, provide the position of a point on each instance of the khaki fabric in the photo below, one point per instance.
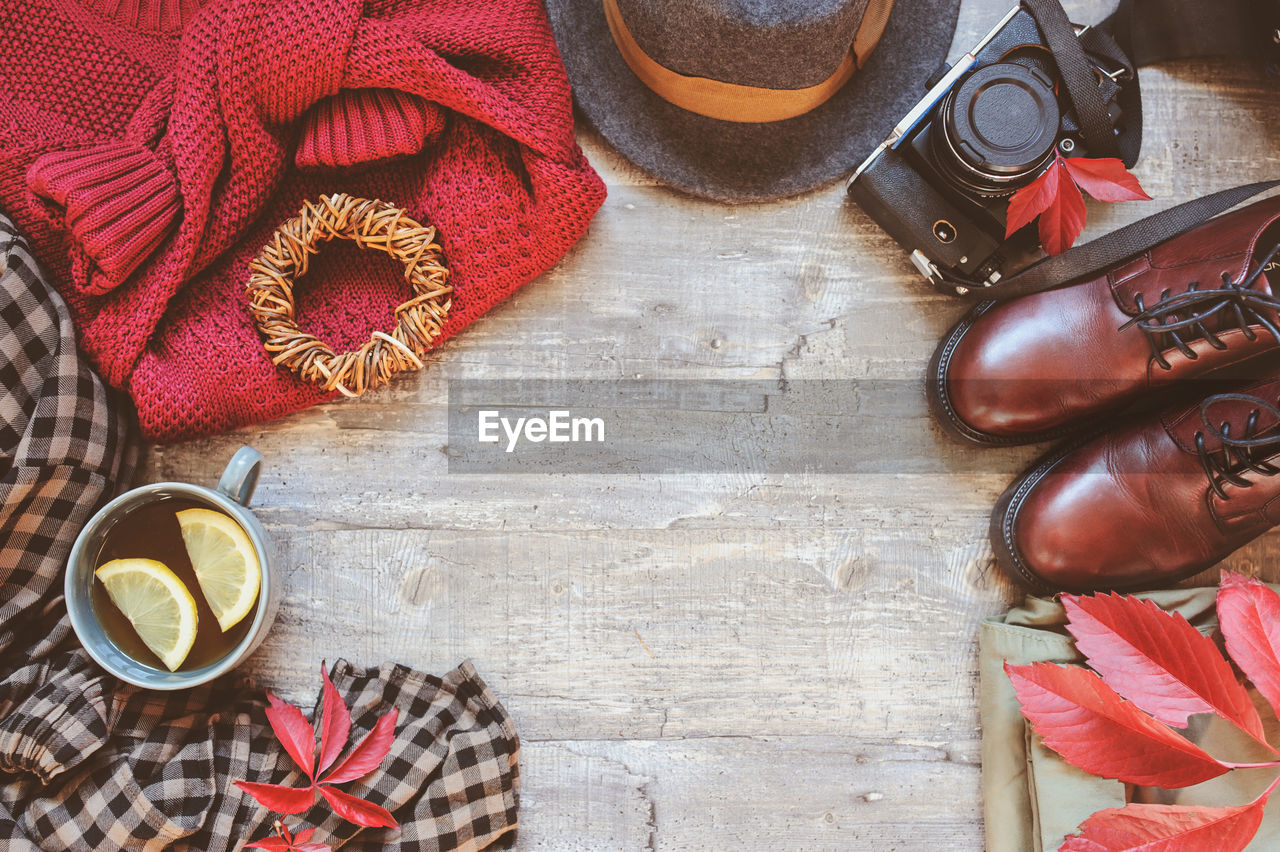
(1032, 798)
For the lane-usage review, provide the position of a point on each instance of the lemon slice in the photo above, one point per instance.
(224, 561)
(156, 603)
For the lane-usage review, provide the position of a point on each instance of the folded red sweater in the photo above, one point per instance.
(149, 147)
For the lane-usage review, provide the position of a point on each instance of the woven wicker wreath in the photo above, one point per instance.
(372, 224)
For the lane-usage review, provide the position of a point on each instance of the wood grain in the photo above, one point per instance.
(701, 661)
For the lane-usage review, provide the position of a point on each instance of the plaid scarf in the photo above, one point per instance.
(88, 763)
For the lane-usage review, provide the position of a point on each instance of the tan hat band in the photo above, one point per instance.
(717, 99)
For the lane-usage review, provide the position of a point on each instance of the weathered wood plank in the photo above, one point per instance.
(826, 794)
(652, 633)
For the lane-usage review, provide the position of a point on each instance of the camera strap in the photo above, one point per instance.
(1152, 31)
(1143, 32)
(1078, 76)
(1097, 256)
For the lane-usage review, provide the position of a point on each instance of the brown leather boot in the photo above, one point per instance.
(1034, 368)
(1148, 503)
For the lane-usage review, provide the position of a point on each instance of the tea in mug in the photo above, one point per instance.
(153, 531)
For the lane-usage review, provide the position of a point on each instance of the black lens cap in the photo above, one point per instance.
(1003, 119)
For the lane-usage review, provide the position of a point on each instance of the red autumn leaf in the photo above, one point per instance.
(358, 810)
(298, 739)
(1105, 178)
(294, 732)
(274, 844)
(1157, 660)
(1084, 720)
(300, 844)
(335, 726)
(1055, 197)
(1033, 199)
(278, 797)
(1167, 828)
(286, 842)
(1249, 614)
(1063, 221)
(368, 753)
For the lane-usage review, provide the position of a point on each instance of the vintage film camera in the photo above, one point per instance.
(940, 183)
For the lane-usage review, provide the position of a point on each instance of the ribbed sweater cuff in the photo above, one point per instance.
(363, 125)
(119, 202)
(169, 16)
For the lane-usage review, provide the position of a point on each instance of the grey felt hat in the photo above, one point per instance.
(829, 77)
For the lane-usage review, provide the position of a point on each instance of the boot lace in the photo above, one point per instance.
(1237, 455)
(1175, 320)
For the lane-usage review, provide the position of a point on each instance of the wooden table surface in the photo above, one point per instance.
(699, 661)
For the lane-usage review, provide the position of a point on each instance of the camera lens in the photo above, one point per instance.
(997, 130)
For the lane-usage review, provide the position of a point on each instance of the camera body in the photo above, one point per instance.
(940, 184)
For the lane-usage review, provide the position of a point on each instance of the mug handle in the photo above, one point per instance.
(241, 476)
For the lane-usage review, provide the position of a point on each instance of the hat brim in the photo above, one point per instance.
(731, 161)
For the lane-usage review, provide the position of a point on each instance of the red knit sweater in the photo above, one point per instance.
(149, 147)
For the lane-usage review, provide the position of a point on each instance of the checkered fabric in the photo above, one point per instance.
(87, 763)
